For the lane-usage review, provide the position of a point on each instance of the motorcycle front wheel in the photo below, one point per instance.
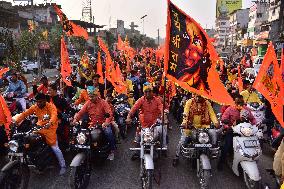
(79, 177)
(16, 177)
(147, 179)
(251, 184)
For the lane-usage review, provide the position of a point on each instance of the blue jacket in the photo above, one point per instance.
(18, 87)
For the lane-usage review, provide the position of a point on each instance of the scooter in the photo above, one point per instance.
(247, 151)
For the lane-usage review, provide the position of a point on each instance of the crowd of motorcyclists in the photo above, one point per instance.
(91, 105)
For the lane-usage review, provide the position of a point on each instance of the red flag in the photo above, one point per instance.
(66, 69)
(282, 71)
(191, 59)
(2, 71)
(5, 114)
(268, 83)
(100, 68)
(69, 27)
(240, 80)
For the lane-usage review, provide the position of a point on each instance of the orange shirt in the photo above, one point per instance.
(149, 110)
(50, 109)
(84, 97)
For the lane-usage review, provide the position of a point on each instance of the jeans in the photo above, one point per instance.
(228, 145)
(55, 148)
(23, 103)
(109, 135)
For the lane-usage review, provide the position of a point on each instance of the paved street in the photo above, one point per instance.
(50, 73)
(122, 173)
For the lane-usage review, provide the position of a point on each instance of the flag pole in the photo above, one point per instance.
(163, 113)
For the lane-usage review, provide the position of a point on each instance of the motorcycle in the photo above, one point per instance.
(122, 109)
(89, 143)
(14, 106)
(247, 151)
(202, 147)
(26, 149)
(150, 141)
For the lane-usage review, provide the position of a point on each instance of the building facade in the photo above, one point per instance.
(222, 32)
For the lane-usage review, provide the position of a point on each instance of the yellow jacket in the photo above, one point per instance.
(250, 97)
(197, 118)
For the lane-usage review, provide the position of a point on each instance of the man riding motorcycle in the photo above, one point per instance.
(230, 117)
(150, 109)
(198, 113)
(97, 108)
(17, 89)
(41, 109)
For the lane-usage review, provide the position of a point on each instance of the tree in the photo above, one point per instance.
(54, 39)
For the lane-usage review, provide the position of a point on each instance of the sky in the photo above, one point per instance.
(106, 12)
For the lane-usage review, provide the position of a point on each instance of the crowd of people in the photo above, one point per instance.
(150, 96)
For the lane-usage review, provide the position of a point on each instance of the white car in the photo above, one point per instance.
(29, 66)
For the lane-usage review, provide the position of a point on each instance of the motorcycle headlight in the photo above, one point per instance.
(81, 138)
(203, 138)
(148, 137)
(246, 131)
(13, 145)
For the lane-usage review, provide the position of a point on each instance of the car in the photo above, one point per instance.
(29, 66)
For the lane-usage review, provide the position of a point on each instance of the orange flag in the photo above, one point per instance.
(66, 69)
(69, 27)
(2, 71)
(120, 44)
(190, 58)
(5, 114)
(111, 74)
(240, 80)
(100, 68)
(268, 83)
(282, 71)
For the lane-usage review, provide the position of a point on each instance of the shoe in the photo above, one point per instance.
(62, 171)
(135, 156)
(111, 156)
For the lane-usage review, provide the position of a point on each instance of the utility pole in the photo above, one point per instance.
(143, 18)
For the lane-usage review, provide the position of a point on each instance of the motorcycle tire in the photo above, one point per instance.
(204, 177)
(251, 184)
(8, 180)
(147, 181)
(74, 182)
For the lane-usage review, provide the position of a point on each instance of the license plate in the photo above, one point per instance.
(203, 145)
(15, 154)
(251, 143)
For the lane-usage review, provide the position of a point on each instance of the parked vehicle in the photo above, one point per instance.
(29, 66)
(202, 147)
(90, 144)
(149, 145)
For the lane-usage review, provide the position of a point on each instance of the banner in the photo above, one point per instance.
(66, 68)
(69, 27)
(190, 58)
(268, 83)
(282, 74)
(226, 7)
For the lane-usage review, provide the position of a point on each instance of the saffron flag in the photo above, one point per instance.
(282, 72)
(111, 73)
(3, 71)
(69, 27)
(240, 80)
(100, 68)
(66, 69)
(190, 58)
(120, 44)
(268, 83)
(5, 114)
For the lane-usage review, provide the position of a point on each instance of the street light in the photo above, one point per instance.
(143, 17)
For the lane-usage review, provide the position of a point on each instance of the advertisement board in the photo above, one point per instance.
(226, 7)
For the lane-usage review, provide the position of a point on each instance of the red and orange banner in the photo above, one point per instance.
(268, 82)
(190, 58)
(69, 27)
(66, 68)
